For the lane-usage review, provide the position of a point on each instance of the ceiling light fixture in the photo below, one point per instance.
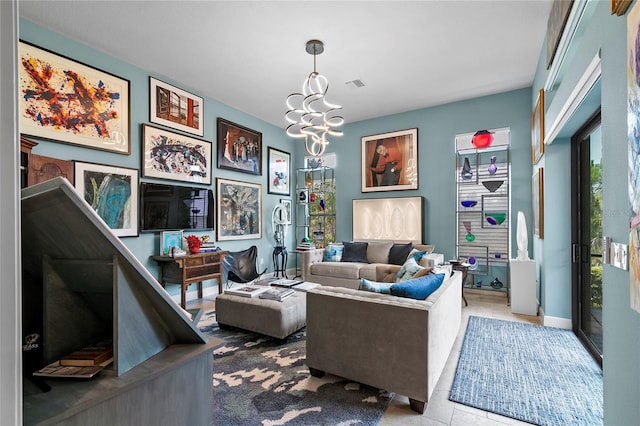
(310, 115)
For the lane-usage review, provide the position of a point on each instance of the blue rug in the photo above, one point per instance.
(262, 381)
(535, 374)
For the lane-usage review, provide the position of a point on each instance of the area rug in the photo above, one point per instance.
(261, 381)
(540, 375)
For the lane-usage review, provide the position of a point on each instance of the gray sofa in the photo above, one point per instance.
(347, 274)
(392, 343)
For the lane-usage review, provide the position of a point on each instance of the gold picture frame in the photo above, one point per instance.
(619, 7)
(538, 203)
(537, 128)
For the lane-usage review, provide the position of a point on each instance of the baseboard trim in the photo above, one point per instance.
(557, 322)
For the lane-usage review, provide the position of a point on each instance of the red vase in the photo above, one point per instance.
(194, 249)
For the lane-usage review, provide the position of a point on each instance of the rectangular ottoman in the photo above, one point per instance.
(264, 316)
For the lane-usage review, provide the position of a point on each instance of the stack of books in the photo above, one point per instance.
(247, 290)
(284, 282)
(89, 355)
(278, 294)
(305, 246)
(208, 248)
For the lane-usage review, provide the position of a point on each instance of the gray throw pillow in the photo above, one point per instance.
(354, 252)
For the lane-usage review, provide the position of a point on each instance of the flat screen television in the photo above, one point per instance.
(164, 207)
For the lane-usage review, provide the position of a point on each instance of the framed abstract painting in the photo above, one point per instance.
(169, 155)
(239, 210)
(112, 192)
(279, 172)
(66, 101)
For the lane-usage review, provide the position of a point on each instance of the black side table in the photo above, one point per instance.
(280, 257)
(464, 269)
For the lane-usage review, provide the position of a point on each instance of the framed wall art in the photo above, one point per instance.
(112, 192)
(67, 101)
(169, 155)
(279, 172)
(538, 203)
(168, 240)
(537, 128)
(390, 161)
(239, 210)
(287, 205)
(556, 23)
(175, 108)
(239, 148)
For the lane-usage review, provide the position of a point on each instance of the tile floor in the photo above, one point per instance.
(441, 411)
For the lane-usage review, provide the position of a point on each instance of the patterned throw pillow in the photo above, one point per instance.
(374, 287)
(419, 288)
(409, 268)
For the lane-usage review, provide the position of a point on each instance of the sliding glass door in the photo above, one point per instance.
(587, 236)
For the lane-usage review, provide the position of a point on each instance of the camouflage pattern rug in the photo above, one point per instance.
(259, 381)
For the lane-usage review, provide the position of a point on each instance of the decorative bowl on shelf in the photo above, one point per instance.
(492, 185)
(468, 203)
(495, 218)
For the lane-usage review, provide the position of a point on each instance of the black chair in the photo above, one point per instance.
(240, 266)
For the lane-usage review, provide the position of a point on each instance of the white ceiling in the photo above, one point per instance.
(251, 54)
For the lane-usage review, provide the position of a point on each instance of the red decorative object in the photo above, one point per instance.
(194, 243)
(482, 139)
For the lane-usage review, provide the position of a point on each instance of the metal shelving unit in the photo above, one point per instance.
(316, 205)
(483, 211)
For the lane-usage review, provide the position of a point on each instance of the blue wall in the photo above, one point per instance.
(147, 244)
(437, 128)
(621, 325)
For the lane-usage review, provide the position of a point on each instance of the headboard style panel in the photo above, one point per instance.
(395, 219)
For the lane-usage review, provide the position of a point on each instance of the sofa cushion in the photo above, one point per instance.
(398, 253)
(418, 288)
(354, 252)
(422, 272)
(348, 270)
(375, 287)
(333, 253)
(368, 271)
(378, 251)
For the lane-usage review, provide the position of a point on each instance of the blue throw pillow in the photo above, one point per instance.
(354, 252)
(419, 288)
(374, 287)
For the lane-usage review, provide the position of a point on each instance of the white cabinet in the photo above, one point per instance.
(523, 287)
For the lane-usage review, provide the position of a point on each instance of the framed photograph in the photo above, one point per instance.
(538, 203)
(112, 192)
(168, 240)
(67, 101)
(239, 210)
(279, 172)
(537, 128)
(390, 161)
(169, 155)
(175, 108)
(239, 148)
(287, 204)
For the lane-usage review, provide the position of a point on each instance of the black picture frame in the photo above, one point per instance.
(239, 148)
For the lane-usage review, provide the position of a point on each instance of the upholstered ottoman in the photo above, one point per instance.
(264, 316)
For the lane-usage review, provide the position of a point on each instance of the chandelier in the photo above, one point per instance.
(311, 117)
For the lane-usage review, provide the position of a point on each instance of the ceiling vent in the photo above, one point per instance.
(356, 84)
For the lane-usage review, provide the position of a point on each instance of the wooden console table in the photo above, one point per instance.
(189, 269)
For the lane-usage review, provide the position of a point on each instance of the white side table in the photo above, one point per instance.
(523, 287)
